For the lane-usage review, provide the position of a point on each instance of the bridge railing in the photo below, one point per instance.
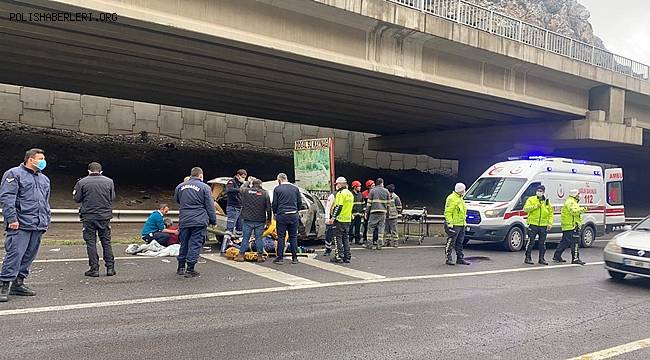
(487, 20)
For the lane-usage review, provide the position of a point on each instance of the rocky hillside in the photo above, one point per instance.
(567, 17)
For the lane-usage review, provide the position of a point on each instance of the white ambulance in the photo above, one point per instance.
(495, 201)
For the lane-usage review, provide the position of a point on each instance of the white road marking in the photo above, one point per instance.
(262, 271)
(397, 248)
(86, 259)
(615, 351)
(341, 269)
(273, 290)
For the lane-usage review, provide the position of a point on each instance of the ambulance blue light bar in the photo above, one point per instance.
(511, 158)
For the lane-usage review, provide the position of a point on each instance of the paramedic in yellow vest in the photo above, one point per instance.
(540, 222)
(571, 221)
(342, 218)
(455, 215)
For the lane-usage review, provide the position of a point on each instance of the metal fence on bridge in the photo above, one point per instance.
(481, 18)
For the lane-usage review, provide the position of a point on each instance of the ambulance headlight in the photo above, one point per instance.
(495, 213)
(613, 247)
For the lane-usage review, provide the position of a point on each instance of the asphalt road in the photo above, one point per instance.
(399, 304)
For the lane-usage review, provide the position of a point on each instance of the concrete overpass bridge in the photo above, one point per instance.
(436, 77)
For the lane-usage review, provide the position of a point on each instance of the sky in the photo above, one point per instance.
(624, 26)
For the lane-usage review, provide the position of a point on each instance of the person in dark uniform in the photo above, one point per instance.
(233, 208)
(25, 197)
(196, 212)
(96, 193)
(358, 211)
(286, 203)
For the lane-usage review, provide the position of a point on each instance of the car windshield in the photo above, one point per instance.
(495, 189)
(644, 225)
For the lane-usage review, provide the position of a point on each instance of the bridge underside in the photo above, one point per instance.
(138, 60)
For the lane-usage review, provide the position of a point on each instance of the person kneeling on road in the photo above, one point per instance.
(571, 221)
(540, 222)
(341, 218)
(455, 214)
(196, 212)
(154, 228)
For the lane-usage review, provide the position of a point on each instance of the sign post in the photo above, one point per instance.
(313, 164)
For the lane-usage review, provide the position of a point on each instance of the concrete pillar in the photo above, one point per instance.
(609, 99)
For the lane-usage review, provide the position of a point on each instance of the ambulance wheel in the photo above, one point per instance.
(514, 241)
(587, 237)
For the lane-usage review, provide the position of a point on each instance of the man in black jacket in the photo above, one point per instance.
(255, 215)
(195, 213)
(233, 207)
(96, 193)
(287, 201)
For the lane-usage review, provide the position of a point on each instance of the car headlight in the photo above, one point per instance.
(495, 213)
(612, 246)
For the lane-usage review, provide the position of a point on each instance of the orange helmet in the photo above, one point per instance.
(369, 183)
(356, 183)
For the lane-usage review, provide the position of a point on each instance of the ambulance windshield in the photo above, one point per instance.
(495, 189)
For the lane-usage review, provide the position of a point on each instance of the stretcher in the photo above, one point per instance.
(414, 223)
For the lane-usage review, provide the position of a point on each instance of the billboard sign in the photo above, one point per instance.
(313, 164)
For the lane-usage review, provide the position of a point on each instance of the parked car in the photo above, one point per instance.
(312, 214)
(628, 253)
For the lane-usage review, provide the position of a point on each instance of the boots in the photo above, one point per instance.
(461, 261)
(4, 291)
(180, 271)
(449, 260)
(542, 261)
(18, 288)
(110, 270)
(92, 273)
(577, 261)
(528, 259)
(190, 272)
(240, 258)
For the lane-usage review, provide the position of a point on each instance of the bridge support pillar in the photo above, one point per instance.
(609, 99)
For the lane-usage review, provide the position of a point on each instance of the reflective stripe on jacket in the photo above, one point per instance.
(394, 206)
(540, 213)
(571, 216)
(455, 210)
(378, 200)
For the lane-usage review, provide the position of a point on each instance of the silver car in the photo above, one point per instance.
(628, 253)
(312, 214)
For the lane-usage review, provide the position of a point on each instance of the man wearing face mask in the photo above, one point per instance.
(24, 196)
(540, 222)
(571, 221)
(96, 193)
(455, 215)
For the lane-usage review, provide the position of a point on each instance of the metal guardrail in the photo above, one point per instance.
(140, 216)
(481, 18)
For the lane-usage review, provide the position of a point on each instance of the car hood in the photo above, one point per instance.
(632, 239)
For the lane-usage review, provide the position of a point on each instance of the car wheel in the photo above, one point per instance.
(616, 275)
(588, 237)
(514, 241)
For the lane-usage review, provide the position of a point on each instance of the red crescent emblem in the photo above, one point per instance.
(495, 171)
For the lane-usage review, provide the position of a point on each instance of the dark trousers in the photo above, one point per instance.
(160, 237)
(355, 229)
(342, 240)
(21, 247)
(287, 223)
(329, 237)
(569, 240)
(365, 229)
(455, 241)
(91, 230)
(191, 239)
(540, 233)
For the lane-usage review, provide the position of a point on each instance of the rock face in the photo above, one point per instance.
(567, 17)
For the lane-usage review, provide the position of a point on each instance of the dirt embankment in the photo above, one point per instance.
(146, 168)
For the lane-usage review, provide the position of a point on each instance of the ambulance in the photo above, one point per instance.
(495, 202)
